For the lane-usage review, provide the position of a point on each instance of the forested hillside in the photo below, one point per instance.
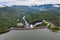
(9, 15)
(46, 15)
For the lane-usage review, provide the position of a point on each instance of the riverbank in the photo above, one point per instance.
(28, 28)
(4, 31)
(36, 28)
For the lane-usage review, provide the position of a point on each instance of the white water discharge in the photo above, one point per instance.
(26, 23)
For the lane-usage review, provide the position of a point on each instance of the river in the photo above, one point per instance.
(26, 23)
(39, 34)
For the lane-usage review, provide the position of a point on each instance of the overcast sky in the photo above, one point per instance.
(28, 2)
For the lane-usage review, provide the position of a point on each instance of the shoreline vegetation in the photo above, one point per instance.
(4, 31)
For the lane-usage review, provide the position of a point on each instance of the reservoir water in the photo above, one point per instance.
(39, 34)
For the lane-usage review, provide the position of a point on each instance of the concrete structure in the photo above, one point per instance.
(31, 26)
(20, 24)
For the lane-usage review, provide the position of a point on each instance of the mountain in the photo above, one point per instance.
(9, 15)
(45, 7)
(23, 10)
(33, 8)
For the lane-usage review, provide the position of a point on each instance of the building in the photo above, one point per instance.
(20, 24)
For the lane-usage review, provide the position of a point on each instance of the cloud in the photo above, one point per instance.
(28, 2)
(21, 0)
(56, 5)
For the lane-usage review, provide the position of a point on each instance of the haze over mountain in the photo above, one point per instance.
(23, 9)
(32, 8)
(28, 2)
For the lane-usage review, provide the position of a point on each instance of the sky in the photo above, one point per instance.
(28, 2)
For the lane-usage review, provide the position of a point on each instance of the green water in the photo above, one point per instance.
(40, 34)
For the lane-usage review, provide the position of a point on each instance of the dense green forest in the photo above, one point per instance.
(43, 15)
(8, 18)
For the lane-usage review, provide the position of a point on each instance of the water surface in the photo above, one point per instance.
(40, 34)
